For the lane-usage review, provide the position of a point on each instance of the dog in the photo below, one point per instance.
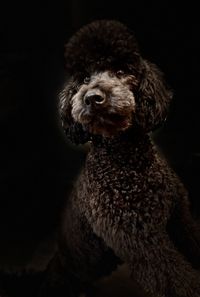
(126, 198)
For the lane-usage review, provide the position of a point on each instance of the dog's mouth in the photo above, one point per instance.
(107, 125)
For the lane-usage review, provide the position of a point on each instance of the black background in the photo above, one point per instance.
(37, 164)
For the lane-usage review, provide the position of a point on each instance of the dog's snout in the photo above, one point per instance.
(94, 98)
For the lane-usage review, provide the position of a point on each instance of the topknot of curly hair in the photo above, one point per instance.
(104, 44)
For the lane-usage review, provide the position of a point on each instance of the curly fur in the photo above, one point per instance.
(127, 201)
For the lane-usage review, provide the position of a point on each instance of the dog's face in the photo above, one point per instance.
(104, 103)
(111, 88)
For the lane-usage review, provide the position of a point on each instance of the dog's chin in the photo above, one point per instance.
(107, 127)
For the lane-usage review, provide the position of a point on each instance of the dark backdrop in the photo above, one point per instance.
(37, 165)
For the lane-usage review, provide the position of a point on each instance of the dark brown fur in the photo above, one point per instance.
(126, 200)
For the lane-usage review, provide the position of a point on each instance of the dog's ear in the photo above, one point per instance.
(152, 99)
(75, 132)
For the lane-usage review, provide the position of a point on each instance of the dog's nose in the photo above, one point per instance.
(94, 98)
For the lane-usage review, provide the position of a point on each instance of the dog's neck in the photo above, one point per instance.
(130, 137)
(122, 151)
(125, 145)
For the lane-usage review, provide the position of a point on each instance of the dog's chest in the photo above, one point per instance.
(126, 188)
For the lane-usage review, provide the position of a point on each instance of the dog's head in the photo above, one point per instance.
(111, 88)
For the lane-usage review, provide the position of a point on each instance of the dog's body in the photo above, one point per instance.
(126, 199)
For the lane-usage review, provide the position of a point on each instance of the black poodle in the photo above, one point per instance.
(127, 204)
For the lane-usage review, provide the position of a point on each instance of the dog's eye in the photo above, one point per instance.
(86, 80)
(120, 73)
